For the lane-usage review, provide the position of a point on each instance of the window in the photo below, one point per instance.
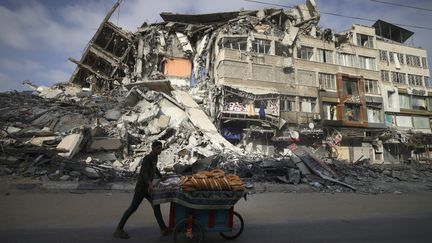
(261, 46)
(281, 50)
(415, 80)
(391, 56)
(390, 99)
(325, 56)
(345, 59)
(236, 43)
(404, 121)
(287, 103)
(385, 76)
(307, 104)
(427, 81)
(383, 55)
(330, 111)
(418, 103)
(413, 61)
(424, 62)
(305, 52)
(327, 81)
(398, 77)
(350, 87)
(404, 101)
(366, 62)
(421, 122)
(400, 58)
(352, 112)
(364, 40)
(371, 86)
(374, 114)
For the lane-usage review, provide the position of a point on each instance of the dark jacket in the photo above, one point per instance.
(147, 172)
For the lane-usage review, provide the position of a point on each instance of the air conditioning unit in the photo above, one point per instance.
(317, 117)
(321, 87)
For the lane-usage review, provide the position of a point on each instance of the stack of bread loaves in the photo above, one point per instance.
(214, 180)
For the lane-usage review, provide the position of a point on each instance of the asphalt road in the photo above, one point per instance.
(269, 217)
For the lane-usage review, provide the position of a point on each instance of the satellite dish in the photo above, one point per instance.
(311, 125)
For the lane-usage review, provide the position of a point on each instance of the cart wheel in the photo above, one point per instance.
(237, 229)
(183, 233)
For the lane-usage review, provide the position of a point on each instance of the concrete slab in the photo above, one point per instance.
(70, 143)
(105, 143)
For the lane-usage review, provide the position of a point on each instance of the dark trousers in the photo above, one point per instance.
(136, 201)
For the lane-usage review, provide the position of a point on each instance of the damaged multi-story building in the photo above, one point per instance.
(271, 77)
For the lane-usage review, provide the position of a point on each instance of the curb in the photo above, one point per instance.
(74, 186)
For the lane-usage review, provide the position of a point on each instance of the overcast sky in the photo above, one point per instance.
(38, 36)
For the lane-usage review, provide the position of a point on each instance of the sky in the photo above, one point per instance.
(38, 36)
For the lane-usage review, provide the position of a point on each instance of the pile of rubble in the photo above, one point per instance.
(61, 133)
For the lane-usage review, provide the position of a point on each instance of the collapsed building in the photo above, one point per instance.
(243, 85)
(271, 77)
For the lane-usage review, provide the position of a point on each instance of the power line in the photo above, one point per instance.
(341, 15)
(401, 5)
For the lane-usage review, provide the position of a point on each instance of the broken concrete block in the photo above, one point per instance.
(91, 173)
(134, 165)
(117, 164)
(64, 177)
(85, 92)
(12, 130)
(48, 92)
(89, 160)
(153, 127)
(71, 143)
(71, 90)
(105, 143)
(132, 118)
(40, 141)
(163, 121)
(113, 114)
(103, 156)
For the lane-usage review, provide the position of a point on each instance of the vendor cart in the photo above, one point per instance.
(194, 213)
(190, 224)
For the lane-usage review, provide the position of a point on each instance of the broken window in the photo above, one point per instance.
(374, 114)
(404, 121)
(345, 59)
(371, 86)
(424, 62)
(330, 111)
(350, 87)
(287, 103)
(307, 104)
(418, 103)
(413, 61)
(366, 63)
(325, 56)
(401, 58)
(352, 112)
(365, 40)
(427, 81)
(404, 101)
(281, 50)
(98, 63)
(415, 80)
(305, 52)
(385, 76)
(383, 55)
(327, 81)
(421, 122)
(398, 77)
(261, 46)
(391, 56)
(236, 43)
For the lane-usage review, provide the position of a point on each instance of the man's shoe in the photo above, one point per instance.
(121, 234)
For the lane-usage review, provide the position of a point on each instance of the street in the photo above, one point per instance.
(269, 217)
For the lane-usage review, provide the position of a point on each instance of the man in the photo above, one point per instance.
(143, 189)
